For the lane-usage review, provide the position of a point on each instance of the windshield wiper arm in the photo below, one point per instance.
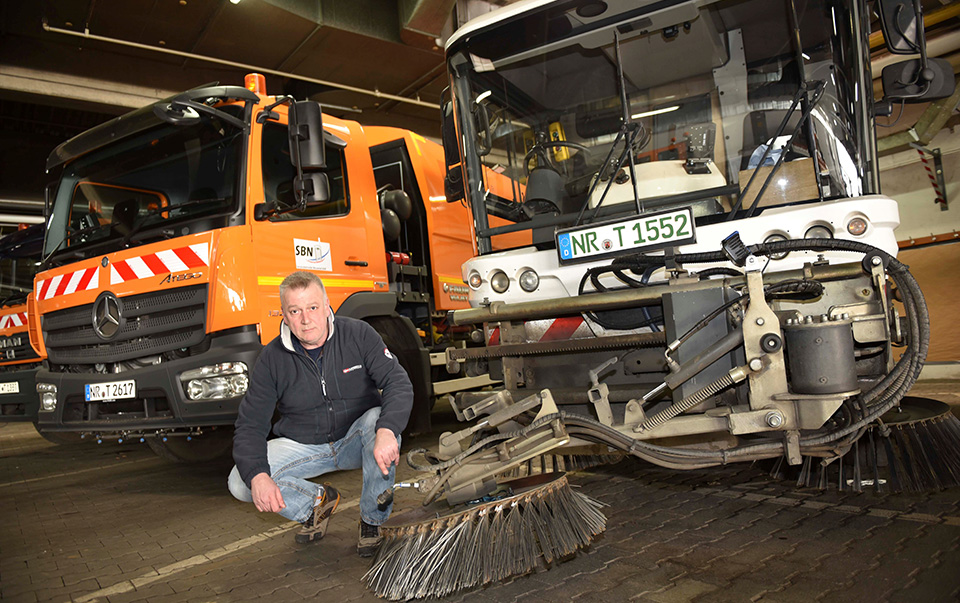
(164, 209)
(69, 237)
(801, 93)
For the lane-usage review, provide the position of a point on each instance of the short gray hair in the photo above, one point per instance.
(301, 279)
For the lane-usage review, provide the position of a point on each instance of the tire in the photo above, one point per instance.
(406, 346)
(212, 445)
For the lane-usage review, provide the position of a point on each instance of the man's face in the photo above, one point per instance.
(305, 312)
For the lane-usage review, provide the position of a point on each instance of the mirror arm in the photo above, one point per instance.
(268, 111)
(202, 108)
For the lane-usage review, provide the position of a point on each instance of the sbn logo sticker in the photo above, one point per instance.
(312, 255)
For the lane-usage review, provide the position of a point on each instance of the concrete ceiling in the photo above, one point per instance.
(56, 82)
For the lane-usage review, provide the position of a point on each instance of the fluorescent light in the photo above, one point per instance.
(655, 112)
(482, 95)
(805, 55)
(234, 1)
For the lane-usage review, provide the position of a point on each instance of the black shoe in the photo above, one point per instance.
(316, 525)
(370, 539)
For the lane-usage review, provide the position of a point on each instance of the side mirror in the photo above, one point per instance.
(453, 181)
(901, 24)
(313, 188)
(306, 135)
(911, 82)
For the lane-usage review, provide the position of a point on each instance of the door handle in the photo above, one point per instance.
(355, 263)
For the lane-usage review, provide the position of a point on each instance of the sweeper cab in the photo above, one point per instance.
(712, 276)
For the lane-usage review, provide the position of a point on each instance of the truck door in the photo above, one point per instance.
(329, 239)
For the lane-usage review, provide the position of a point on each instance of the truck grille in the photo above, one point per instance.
(155, 322)
(16, 347)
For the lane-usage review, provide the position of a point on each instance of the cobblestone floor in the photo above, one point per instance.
(114, 523)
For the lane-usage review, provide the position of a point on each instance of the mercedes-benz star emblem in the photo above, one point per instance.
(107, 315)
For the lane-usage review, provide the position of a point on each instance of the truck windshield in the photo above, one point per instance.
(143, 184)
(707, 85)
(16, 279)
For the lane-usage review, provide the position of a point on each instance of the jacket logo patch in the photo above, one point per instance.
(387, 353)
(352, 368)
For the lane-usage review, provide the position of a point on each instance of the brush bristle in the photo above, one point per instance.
(911, 457)
(485, 543)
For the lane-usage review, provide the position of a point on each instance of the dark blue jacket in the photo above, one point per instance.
(317, 408)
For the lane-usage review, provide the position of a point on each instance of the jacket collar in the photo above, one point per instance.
(286, 335)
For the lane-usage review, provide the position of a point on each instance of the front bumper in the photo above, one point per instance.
(23, 404)
(161, 404)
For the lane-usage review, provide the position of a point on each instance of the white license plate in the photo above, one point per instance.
(114, 390)
(10, 387)
(649, 231)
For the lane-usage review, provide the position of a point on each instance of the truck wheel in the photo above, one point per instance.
(211, 445)
(405, 345)
(58, 437)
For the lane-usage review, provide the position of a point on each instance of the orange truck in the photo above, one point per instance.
(19, 252)
(171, 227)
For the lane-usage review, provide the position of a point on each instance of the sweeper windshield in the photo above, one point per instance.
(702, 97)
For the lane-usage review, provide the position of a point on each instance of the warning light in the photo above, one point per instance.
(255, 82)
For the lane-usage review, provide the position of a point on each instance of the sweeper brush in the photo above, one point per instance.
(526, 523)
(912, 448)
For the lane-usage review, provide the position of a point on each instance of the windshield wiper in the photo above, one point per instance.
(16, 298)
(70, 236)
(168, 208)
(804, 116)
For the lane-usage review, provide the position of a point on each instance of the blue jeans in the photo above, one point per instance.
(292, 464)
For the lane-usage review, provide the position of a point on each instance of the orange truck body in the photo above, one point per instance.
(225, 282)
(19, 252)
(18, 366)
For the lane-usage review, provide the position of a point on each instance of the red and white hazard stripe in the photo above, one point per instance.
(554, 329)
(190, 257)
(13, 320)
(65, 284)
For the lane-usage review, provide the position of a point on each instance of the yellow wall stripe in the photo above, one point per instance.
(342, 283)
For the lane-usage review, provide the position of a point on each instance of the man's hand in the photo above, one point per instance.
(385, 450)
(266, 494)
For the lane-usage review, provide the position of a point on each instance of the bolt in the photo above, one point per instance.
(845, 316)
(875, 260)
(756, 364)
(824, 318)
(808, 320)
(760, 322)
(823, 380)
(774, 419)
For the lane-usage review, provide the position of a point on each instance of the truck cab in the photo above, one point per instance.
(170, 229)
(19, 256)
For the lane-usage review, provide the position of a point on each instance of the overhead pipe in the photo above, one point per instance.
(254, 68)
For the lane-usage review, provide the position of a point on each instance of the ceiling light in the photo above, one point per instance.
(234, 1)
(655, 112)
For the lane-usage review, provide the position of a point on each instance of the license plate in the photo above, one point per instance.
(649, 231)
(10, 387)
(114, 390)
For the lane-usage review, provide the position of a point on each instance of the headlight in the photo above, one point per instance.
(474, 280)
(48, 396)
(857, 226)
(529, 280)
(499, 281)
(217, 388)
(776, 238)
(216, 381)
(818, 232)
